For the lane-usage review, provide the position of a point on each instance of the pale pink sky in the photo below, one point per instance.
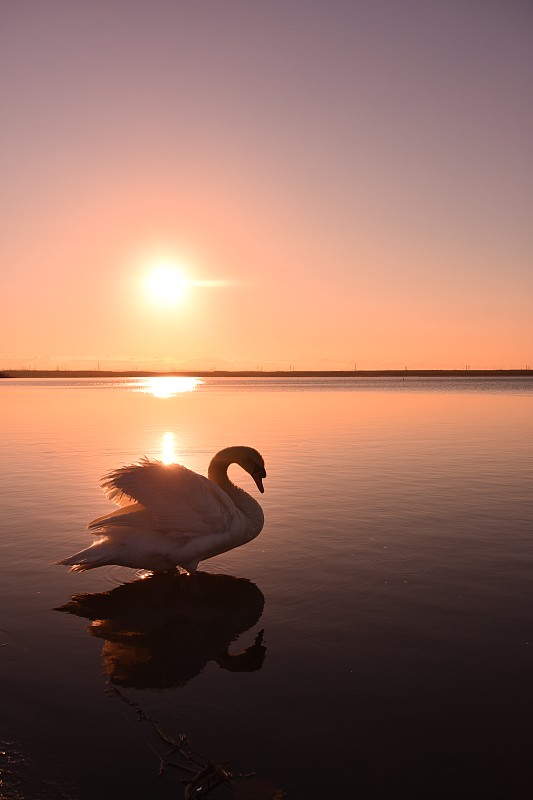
(354, 177)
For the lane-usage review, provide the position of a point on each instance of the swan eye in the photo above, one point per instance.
(258, 470)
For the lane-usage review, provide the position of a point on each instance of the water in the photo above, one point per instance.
(392, 581)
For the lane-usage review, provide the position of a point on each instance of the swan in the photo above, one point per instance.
(170, 516)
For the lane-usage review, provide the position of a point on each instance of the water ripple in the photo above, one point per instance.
(11, 650)
(400, 566)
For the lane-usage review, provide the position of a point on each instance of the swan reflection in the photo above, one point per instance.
(161, 631)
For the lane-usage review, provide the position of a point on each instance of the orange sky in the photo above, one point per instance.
(341, 182)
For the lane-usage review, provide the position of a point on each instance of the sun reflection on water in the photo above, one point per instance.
(169, 385)
(168, 454)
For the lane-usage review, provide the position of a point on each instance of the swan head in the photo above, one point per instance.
(257, 470)
(249, 459)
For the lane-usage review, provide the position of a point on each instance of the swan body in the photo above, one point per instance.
(169, 516)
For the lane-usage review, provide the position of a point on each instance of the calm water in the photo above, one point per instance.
(392, 581)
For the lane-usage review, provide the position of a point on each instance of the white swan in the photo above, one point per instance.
(171, 516)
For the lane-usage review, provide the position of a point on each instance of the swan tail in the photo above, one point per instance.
(97, 555)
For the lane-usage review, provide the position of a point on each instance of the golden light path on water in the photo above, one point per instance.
(168, 453)
(169, 385)
(165, 386)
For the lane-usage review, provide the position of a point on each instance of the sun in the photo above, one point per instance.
(166, 284)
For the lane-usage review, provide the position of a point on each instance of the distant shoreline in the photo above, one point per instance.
(380, 373)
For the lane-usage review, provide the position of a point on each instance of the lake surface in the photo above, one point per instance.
(392, 582)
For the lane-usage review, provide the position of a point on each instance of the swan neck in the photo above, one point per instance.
(218, 473)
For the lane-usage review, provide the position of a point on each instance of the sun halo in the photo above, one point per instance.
(166, 285)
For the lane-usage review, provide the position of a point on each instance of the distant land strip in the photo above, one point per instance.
(376, 373)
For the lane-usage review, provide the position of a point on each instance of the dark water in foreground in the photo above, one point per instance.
(375, 641)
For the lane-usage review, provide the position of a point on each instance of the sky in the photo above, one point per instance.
(337, 183)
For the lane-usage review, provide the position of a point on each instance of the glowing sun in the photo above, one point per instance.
(166, 284)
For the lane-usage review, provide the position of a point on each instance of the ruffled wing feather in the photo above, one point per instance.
(179, 500)
(132, 515)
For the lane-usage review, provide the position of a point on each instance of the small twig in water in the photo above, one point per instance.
(207, 775)
(196, 787)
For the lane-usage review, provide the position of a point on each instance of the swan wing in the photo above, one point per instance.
(133, 515)
(177, 499)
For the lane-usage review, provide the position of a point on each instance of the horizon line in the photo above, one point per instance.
(242, 373)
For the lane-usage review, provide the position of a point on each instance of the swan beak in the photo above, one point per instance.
(258, 476)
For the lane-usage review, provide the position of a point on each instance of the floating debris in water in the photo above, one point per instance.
(207, 776)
